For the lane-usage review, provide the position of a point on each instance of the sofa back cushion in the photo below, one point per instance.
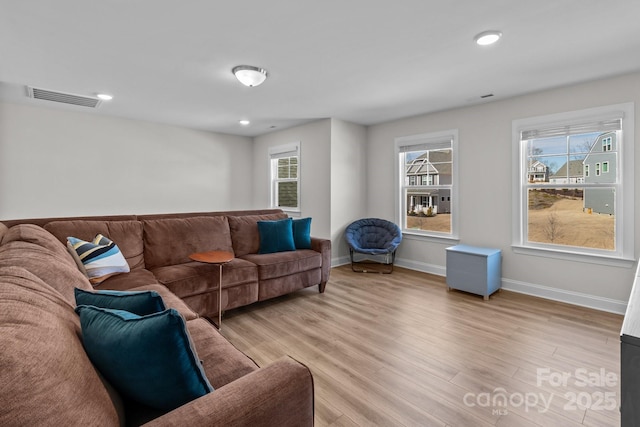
(171, 241)
(126, 234)
(47, 265)
(39, 236)
(244, 232)
(46, 376)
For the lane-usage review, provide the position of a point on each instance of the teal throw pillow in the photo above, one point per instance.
(302, 233)
(276, 236)
(141, 303)
(150, 359)
(101, 257)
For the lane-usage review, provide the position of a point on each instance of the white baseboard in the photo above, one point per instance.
(569, 297)
(336, 262)
(561, 295)
(422, 266)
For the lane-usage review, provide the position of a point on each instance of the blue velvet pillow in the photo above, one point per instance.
(149, 359)
(137, 302)
(302, 233)
(276, 236)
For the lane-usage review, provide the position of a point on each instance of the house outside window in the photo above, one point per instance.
(426, 170)
(575, 213)
(285, 177)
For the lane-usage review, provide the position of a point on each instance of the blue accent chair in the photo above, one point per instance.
(372, 238)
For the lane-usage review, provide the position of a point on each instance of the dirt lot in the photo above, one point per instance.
(440, 222)
(564, 223)
(559, 220)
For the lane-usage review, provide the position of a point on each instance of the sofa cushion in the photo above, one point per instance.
(101, 258)
(222, 362)
(126, 281)
(170, 300)
(244, 232)
(193, 278)
(126, 234)
(150, 359)
(197, 284)
(38, 236)
(302, 233)
(206, 303)
(171, 241)
(46, 377)
(46, 264)
(285, 263)
(137, 302)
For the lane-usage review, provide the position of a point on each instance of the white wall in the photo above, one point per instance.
(59, 163)
(48, 158)
(315, 170)
(485, 190)
(348, 183)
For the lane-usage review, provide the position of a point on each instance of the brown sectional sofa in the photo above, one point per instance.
(46, 378)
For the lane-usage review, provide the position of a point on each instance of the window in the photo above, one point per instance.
(285, 176)
(427, 184)
(574, 212)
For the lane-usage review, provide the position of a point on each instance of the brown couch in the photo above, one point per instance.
(157, 248)
(46, 378)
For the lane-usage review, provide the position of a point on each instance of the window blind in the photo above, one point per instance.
(284, 151)
(423, 145)
(572, 129)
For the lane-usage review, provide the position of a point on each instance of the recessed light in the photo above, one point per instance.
(487, 37)
(244, 122)
(105, 97)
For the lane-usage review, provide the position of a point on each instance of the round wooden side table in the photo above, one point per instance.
(219, 258)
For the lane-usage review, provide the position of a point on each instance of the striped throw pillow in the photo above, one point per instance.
(101, 258)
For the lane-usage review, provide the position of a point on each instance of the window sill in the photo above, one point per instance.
(444, 239)
(574, 256)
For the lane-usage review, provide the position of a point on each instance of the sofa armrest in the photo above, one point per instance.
(280, 394)
(324, 247)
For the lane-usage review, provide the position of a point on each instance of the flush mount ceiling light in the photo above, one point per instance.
(104, 96)
(487, 37)
(249, 75)
(244, 122)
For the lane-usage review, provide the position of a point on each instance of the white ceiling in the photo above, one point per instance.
(362, 61)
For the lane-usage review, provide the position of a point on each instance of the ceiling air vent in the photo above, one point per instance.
(64, 98)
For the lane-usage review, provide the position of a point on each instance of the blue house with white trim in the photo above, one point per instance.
(600, 166)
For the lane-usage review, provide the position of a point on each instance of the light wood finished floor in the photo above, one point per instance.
(399, 350)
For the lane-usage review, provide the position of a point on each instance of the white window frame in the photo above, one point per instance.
(278, 152)
(623, 255)
(420, 142)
